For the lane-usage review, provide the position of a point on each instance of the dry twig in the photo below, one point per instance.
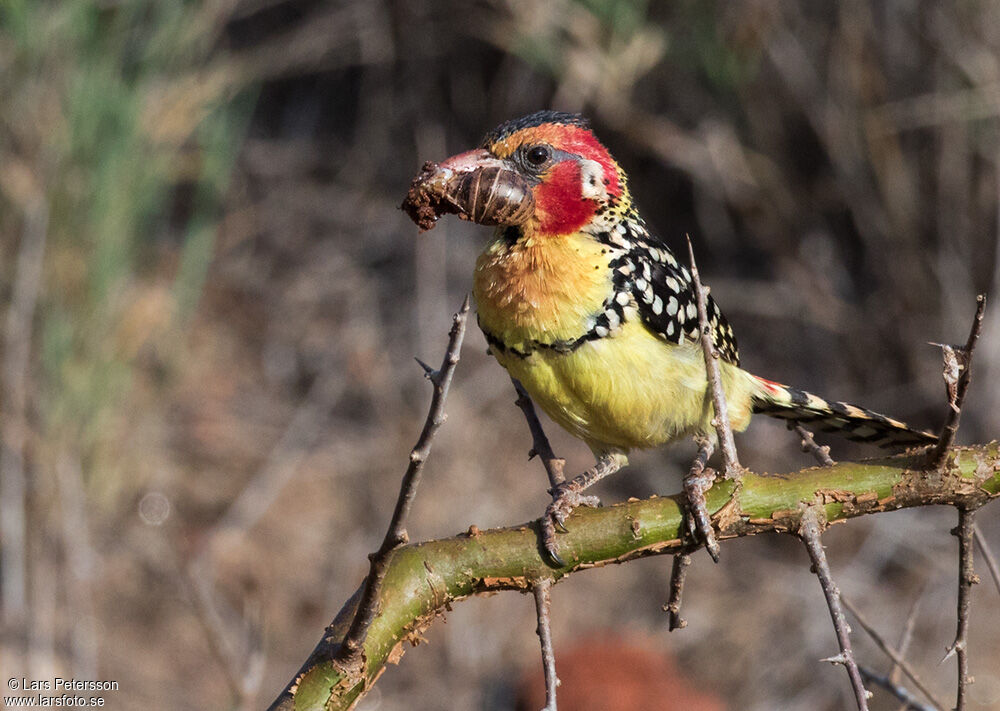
(540, 446)
(809, 445)
(957, 373)
(809, 532)
(966, 579)
(349, 654)
(893, 654)
(677, 575)
(543, 603)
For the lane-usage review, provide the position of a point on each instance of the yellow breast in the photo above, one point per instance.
(630, 391)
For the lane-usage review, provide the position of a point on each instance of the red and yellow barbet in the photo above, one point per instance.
(593, 314)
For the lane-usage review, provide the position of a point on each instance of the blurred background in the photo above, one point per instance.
(211, 305)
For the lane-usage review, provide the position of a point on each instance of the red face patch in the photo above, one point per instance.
(559, 203)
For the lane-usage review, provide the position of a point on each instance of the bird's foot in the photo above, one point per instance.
(565, 497)
(699, 523)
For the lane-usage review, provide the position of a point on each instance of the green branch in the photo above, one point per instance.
(424, 578)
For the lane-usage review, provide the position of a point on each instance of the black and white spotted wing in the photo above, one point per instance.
(668, 307)
(663, 293)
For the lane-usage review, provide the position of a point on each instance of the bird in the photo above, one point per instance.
(593, 314)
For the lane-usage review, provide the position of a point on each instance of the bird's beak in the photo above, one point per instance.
(475, 185)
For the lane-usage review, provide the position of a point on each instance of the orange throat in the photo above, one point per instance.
(541, 288)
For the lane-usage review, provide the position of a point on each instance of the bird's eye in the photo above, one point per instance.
(537, 155)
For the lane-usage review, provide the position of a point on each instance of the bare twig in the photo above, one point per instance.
(677, 575)
(349, 654)
(966, 579)
(991, 561)
(540, 446)
(809, 532)
(721, 421)
(957, 373)
(543, 603)
(809, 445)
(910, 702)
(893, 654)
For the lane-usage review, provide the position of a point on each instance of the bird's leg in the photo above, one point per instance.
(699, 479)
(566, 497)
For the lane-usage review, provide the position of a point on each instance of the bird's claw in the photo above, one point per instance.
(699, 523)
(565, 497)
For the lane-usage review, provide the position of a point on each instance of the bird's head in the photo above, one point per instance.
(546, 173)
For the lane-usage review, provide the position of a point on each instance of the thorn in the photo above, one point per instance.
(838, 659)
(952, 651)
(429, 372)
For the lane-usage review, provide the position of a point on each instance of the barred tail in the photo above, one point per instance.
(854, 423)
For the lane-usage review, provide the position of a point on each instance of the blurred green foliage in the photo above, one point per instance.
(122, 119)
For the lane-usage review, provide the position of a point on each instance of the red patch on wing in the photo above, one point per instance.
(559, 204)
(771, 385)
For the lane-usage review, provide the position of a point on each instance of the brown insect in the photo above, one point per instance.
(476, 186)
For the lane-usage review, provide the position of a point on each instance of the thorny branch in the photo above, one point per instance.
(350, 652)
(809, 532)
(425, 579)
(957, 374)
(540, 446)
(893, 654)
(554, 466)
(700, 478)
(543, 603)
(722, 427)
(966, 579)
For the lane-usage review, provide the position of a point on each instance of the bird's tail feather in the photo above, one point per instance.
(850, 421)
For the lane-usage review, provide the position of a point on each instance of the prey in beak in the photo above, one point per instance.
(476, 186)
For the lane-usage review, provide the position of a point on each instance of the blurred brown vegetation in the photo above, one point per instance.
(212, 302)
